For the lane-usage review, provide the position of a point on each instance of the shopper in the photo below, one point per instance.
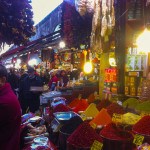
(10, 115)
(30, 99)
(23, 74)
(13, 79)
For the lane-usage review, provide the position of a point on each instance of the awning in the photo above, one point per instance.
(15, 50)
(49, 39)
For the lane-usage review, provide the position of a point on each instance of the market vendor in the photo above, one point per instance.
(10, 115)
(63, 78)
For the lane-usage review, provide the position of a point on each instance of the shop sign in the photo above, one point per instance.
(117, 118)
(136, 62)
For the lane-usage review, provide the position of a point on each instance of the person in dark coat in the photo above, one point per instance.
(23, 75)
(13, 79)
(10, 115)
(30, 99)
(44, 78)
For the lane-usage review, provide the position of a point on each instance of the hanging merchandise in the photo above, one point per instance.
(108, 19)
(90, 6)
(16, 19)
(148, 3)
(104, 19)
(84, 6)
(102, 24)
(81, 6)
(96, 44)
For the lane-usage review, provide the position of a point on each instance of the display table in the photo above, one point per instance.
(70, 93)
(50, 147)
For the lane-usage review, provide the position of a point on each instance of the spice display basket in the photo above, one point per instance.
(74, 147)
(112, 144)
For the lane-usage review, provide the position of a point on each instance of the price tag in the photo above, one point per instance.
(117, 118)
(97, 145)
(93, 125)
(83, 116)
(138, 139)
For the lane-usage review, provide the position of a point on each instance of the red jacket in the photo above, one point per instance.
(10, 119)
(53, 79)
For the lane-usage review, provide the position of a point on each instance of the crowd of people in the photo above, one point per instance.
(16, 98)
(22, 81)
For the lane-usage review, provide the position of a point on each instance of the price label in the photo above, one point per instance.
(138, 139)
(97, 145)
(83, 116)
(117, 118)
(93, 125)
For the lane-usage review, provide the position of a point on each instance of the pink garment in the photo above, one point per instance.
(53, 79)
(10, 119)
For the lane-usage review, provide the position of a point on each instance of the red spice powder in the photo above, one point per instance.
(81, 106)
(143, 126)
(61, 108)
(103, 104)
(113, 132)
(83, 136)
(115, 108)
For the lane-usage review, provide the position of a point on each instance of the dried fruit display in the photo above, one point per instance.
(16, 19)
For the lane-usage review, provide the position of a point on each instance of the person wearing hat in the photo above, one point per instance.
(10, 114)
(30, 99)
(53, 80)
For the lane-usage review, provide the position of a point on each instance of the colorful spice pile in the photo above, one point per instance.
(91, 111)
(130, 103)
(143, 126)
(130, 118)
(81, 106)
(61, 108)
(74, 102)
(102, 118)
(71, 125)
(103, 104)
(83, 136)
(143, 107)
(115, 108)
(113, 132)
(144, 146)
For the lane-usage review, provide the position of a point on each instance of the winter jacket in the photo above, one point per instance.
(10, 119)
